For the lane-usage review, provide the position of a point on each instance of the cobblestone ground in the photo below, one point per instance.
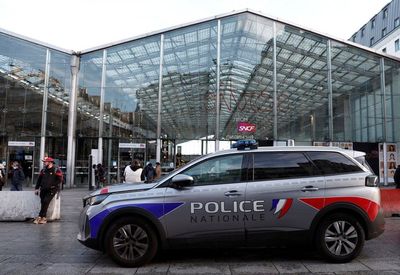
(26, 248)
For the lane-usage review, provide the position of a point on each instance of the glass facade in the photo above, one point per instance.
(182, 92)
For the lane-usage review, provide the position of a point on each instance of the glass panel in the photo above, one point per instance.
(58, 96)
(131, 100)
(22, 74)
(131, 94)
(246, 76)
(392, 89)
(88, 104)
(189, 77)
(356, 94)
(301, 85)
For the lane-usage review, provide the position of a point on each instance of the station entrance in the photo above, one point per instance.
(24, 153)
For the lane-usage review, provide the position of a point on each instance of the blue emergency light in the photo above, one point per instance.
(245, 144)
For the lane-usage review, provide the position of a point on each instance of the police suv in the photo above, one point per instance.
(246, 196)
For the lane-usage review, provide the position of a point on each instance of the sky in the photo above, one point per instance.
(83, 24)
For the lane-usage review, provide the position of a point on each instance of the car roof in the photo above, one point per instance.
(350, 153)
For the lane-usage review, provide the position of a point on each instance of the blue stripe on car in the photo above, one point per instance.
(157, 209)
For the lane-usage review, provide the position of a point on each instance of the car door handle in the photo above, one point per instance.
(309, 188)
(232, 193)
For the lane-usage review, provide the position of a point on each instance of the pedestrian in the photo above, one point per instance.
(17, 177)
(47, 185)
(158, 170)
(133, 172)
(101, 179)
(2, 176)
(397, 177)
(148, 173)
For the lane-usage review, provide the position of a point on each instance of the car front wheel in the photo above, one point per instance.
(131, 242)
(340, 238)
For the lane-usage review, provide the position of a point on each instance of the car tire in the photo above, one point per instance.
(340, 238)
(131, 242)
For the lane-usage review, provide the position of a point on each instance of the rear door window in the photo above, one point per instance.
(282, 165)
(331, 163)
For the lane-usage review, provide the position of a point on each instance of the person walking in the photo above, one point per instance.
(397, 177)
(158, 170)
(2, 176)
(148, 173)
(133, 172)
(101, 176)
(17, 177)
(47, 185)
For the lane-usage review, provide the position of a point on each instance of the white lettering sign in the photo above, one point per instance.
(22, 143)
(213, 207)
(132, 145)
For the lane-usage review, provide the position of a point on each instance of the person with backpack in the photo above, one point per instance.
(148, 173)
(133, 173)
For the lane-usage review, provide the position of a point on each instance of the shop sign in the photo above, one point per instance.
(21, 143)
(132, 145)
(245, 127)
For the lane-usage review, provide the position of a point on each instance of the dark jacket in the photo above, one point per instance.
(49, 178)
(397, 177)
(148, 173)
(17, 176)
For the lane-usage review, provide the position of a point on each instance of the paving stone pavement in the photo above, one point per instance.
(26, 248)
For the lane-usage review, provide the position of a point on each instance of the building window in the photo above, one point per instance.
(396, 22)
(362, 32)
(383, 32)
(384, 50)
(373, 23)
(396, 45)
(372, 41)
(385, 13)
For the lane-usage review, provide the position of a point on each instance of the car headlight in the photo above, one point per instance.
(94, 200)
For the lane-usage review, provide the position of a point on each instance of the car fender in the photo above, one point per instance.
(131, 211)
(344, 207)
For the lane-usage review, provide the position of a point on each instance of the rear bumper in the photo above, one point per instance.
(377, 227)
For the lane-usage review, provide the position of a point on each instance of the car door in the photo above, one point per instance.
(280, 181)
(212, 208)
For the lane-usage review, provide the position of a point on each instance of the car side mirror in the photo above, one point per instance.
(371, 181)
(182, 180)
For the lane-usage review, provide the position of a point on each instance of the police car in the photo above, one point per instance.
(245, 196)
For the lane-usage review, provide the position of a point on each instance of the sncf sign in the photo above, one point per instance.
(245, 127)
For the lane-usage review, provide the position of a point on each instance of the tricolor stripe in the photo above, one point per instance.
(370, 207)
(281, 206)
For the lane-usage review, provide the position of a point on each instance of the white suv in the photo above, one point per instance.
(240, 197)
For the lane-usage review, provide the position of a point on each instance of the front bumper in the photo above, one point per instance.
(84, 236)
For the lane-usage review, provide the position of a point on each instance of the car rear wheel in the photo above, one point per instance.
(131, 242)
(340, 238)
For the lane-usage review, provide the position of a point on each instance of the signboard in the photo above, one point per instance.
(21, 143)
(132, 145)
(391, 161)
(245, 127)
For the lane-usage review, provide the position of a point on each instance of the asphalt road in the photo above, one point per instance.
(26, 248)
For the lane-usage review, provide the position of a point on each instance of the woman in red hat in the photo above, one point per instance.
(48, 183)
